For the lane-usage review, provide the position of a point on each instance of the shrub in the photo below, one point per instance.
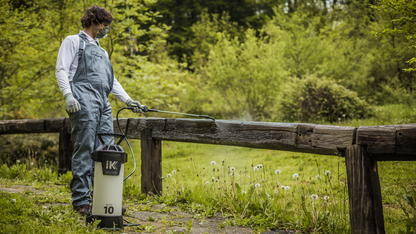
(313, 98)
(28, 147)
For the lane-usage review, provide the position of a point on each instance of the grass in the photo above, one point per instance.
(237, 197)
(191, 162)
(193, 169)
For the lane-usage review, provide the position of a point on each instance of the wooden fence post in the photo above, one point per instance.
(65, 150)
(151, 168)
(366, 209)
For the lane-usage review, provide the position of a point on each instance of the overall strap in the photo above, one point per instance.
(82, 40)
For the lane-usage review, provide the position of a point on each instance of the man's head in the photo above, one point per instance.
(96, 16)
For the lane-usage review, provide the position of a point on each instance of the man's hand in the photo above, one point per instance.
(137, 107)
(71, 104)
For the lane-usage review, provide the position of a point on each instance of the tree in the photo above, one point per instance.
(31, 37)
(181, 15)
(246, 77)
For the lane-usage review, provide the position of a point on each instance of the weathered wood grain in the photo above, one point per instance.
(31, 126)
(151, 168)
(266, 135)
(334, 138)
(378, 139)
(22, 126)
(366, 210)
(304, 136)
(123, 123)
(406, 139)
(389, 143)
(54, 125)
(65, 151)
(392, 142)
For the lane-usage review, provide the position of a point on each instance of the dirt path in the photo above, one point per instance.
(160, 218)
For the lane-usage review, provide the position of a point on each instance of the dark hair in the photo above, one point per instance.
(94, 13)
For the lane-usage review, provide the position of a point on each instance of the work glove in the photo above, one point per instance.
(137, 107)
(71, 104)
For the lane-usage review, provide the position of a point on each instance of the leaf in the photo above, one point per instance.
(237, 186)
(409, 199)
(251, 191)
(188, 226)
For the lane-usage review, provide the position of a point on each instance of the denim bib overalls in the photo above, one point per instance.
(91, 85)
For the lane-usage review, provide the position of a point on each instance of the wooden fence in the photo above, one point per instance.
(362, 147)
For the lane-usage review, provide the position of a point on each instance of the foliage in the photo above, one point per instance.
(21, 215)
(28, 85)
(246, 76)
(182, 16)
(402, 14)
(27, 148)
(409, 208)
(313, 98)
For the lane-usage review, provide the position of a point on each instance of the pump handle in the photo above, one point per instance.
(110, 134)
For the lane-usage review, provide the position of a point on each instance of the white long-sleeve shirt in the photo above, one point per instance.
(67, 63)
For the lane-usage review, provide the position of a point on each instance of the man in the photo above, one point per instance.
(85, 77)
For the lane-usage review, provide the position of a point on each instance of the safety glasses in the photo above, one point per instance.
(105, 23)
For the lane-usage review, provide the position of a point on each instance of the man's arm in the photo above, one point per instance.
(66, 56)
(119, 92)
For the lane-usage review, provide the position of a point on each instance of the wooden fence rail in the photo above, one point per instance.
(362, 147)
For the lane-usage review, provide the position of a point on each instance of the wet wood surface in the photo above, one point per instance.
(385, 143)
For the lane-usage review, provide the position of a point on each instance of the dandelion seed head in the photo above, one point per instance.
(257, 185)
(244, 192)
(255, 168)
(213, 163)
(207, 182)
(295, 176)
(168, 175)
(278, 184)
(327, 173)
(314, 197)
(232, 169)
(287, 188)
(18, 161)
(231, 174)
(326, 198)
(276, 191)
(277, 172)
(31, 163)
(283, 187)
(173, 172)
(260, 166)
(318, 177)
(213, 178)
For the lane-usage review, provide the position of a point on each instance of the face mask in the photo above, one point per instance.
(103, 32)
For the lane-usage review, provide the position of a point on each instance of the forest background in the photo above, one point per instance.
(341, 62)
(263, 60)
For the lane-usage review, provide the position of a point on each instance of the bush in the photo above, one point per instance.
(312, 98)
(29, 147)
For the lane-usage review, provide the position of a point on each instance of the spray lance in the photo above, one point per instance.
(146, 109)
(109, 162)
